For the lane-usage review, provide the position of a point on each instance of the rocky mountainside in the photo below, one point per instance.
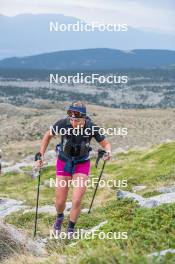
(26, 126)
(144, 88)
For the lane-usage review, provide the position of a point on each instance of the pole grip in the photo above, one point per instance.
(101, 152)
(38, 156)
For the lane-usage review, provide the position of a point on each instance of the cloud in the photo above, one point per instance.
(147, 14)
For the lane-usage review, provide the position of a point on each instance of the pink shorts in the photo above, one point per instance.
(83, 167)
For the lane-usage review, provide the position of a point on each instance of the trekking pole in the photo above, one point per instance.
(101, 152)
(37, 157)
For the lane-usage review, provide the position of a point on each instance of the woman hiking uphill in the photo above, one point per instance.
(73, 161)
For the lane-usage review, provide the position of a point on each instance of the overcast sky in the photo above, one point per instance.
(150, 15)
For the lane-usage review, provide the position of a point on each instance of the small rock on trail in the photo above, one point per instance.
(8, 206)
(168, 189)
(162, 253)
(138, 188)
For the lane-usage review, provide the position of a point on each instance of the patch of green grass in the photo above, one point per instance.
(148, 230)
(145, 167)
(150, 194)
(26, 222)
(23, 187)
(26, 168)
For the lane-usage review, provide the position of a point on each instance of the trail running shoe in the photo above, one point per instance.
(70, 232)
(58, 223)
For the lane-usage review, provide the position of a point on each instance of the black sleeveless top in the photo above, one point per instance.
(76, 144)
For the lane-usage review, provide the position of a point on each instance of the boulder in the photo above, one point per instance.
(148, 202)
(13, 240)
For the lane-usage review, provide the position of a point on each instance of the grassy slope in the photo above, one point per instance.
(148, 230)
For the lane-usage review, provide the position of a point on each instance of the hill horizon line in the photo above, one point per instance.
(88, 49)
(94, 59)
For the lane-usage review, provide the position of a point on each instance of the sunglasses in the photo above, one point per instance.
(78, 120)
(74, 114)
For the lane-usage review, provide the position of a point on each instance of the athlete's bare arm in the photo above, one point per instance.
(44, 143)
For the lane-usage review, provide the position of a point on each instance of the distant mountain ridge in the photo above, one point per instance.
(93, 59)
(29, 34)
